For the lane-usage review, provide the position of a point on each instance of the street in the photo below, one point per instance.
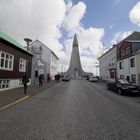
(75, 110)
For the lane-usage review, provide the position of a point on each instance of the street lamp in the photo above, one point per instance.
(27, 40)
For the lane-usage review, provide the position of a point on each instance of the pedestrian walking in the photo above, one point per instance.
(25, 80)
(40, 80)
(57, 77)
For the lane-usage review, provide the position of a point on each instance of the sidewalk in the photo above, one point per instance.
(12, 95)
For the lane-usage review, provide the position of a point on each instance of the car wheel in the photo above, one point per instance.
(120, 91)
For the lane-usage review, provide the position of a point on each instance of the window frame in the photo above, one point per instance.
(8, 60)
(123, 53)
(133, 78)
(4, 84)
(122, 76)
(132, 62)
(22, 65)
(121, 65)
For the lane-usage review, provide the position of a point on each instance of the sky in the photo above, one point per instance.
(98, 24)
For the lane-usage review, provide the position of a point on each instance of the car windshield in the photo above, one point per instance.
(123, 81)
(111, 80)
(93, 76)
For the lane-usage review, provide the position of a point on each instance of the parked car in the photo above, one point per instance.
(122, 86)
(65, 78)
(93, 78)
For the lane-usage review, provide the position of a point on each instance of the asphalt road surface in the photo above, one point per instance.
(75, 110)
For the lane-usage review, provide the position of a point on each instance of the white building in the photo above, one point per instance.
(38, 67)
(53, 64)
(47, 56)
(128, 58)
(138, 67)
(123, 60)
(108, 64)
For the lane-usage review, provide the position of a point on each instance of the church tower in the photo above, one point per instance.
(75, 68)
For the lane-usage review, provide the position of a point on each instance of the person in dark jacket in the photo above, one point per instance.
(40, 80)
(25, 80)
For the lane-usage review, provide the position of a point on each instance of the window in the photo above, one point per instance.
(4, 84)
(127, 51)
(133, 78)
(121, 65)
(36, 73)
(123, 81)
(122, 53)
(132, 62)
(138, 78)
(22, 65)
(40, 48)
(6, 61)
(121, 76)
(20, 82)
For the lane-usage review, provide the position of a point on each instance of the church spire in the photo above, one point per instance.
(75, 68)
(75, 41)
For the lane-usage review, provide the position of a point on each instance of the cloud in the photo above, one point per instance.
(89, 64)
(120, 36)
(33, 19)
(74, 15)
(89, 39)
(116, 2)
(89, 46)
(54, 23)
(134, 14)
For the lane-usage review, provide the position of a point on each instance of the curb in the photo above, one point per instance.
(23, 99)
(14, 103)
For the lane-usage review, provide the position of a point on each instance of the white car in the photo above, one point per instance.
(93, 78)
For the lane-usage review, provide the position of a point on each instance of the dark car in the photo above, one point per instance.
(122, 86)
(66, 78)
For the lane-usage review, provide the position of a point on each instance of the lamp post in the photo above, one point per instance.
(27, 40)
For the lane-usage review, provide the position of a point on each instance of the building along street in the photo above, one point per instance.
(75, 110)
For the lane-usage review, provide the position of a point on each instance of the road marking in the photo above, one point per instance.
(16, 102)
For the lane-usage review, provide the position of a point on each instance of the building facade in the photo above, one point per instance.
(47, 59)
(108, 64)
(13, 62)
(128, 61)
(38, 67)
(122, 60)
(138, 67)
(53, 65)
